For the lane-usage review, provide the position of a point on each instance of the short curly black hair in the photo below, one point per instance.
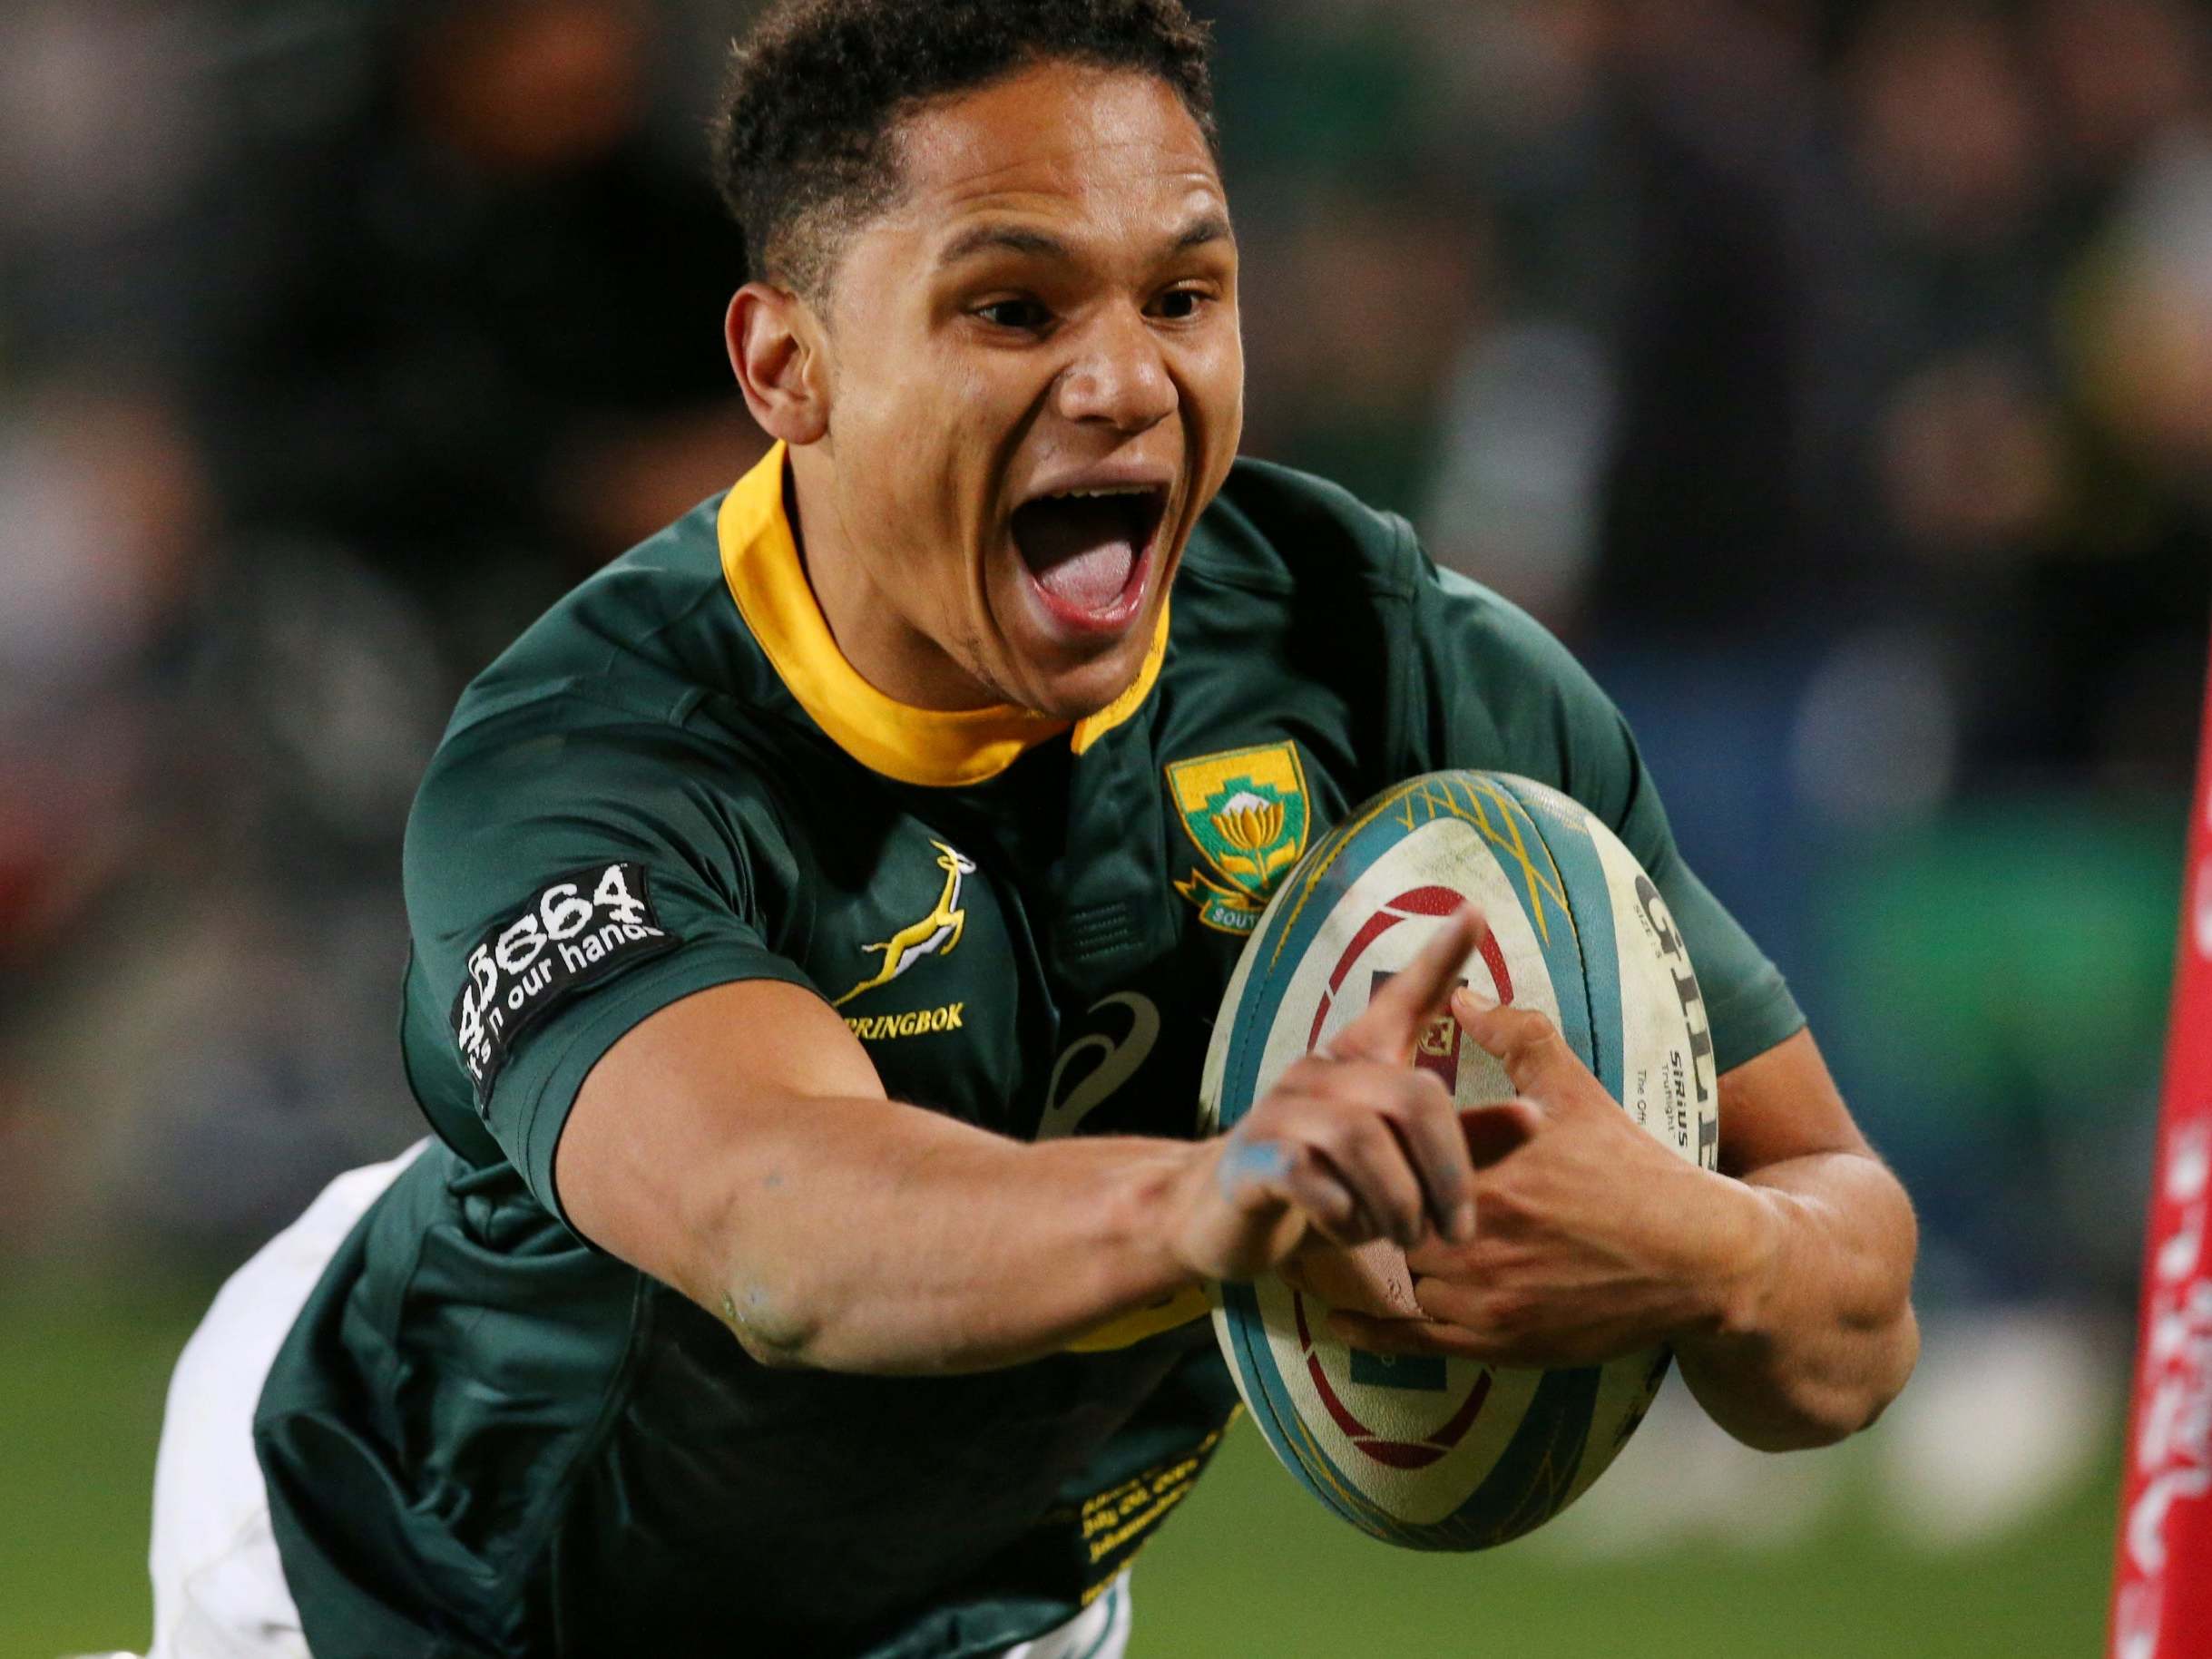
(802, 148)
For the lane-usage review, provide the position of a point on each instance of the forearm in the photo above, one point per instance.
(737, 1145)
(869, 1236)
(1811, 1333)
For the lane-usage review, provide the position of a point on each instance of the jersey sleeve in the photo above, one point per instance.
(1487, 686)
(561, 887)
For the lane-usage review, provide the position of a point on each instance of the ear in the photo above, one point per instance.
(776, 350)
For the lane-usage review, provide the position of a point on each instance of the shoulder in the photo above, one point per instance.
(1467, 633)
(591, 717)
(1273, 530)
(1281, 545)
(648, 635)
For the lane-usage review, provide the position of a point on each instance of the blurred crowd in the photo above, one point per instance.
(1836, 377)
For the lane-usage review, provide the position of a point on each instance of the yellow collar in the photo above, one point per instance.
(942, 748)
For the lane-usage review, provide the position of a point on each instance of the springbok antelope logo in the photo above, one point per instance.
(934, 934)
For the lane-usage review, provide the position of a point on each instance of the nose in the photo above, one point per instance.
(1118, 377)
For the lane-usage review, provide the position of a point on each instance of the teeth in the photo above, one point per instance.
(1126, 489)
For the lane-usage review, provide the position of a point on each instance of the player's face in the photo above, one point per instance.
(1036, 380)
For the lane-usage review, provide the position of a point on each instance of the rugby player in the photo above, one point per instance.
(817, 918)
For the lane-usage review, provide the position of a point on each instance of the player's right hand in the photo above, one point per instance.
(1352, 1144)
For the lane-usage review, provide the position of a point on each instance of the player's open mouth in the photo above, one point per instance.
(1088, 550)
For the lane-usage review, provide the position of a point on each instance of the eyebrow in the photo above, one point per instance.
(1042, 245)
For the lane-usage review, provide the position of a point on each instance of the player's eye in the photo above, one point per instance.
(1179, 305)
(1028, 315)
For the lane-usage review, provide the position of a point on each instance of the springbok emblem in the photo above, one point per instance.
(934, 934)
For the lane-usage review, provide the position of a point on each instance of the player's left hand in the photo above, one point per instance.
(1592, 1239)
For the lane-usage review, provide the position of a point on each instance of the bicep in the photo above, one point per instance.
(697, 1105)
(1781, 1105)
(565, 888)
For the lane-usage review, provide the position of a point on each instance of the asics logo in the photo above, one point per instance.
(1117, 1062)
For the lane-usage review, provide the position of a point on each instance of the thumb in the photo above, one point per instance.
(1495, 1131)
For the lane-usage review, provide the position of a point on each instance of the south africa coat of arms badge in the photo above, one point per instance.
(1247, 813)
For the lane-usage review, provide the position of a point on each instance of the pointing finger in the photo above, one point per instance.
(1392, 1020)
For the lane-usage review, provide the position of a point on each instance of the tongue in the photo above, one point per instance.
(1080, 550)
(1093, 579)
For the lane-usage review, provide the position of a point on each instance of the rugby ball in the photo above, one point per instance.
(1424, 1452)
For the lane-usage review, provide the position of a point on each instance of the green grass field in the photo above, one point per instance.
(1249, 1565)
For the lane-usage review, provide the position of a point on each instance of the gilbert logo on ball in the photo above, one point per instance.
(1434, 1453)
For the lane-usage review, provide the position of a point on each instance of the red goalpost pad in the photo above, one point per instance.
(2162, 1590)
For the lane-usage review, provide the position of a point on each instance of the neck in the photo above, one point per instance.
(872, 634)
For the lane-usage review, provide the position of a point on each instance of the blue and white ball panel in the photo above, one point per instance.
(1667, 1082)
(1434, 1453)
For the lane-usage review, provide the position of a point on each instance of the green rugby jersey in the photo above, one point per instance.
(483, 1436)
